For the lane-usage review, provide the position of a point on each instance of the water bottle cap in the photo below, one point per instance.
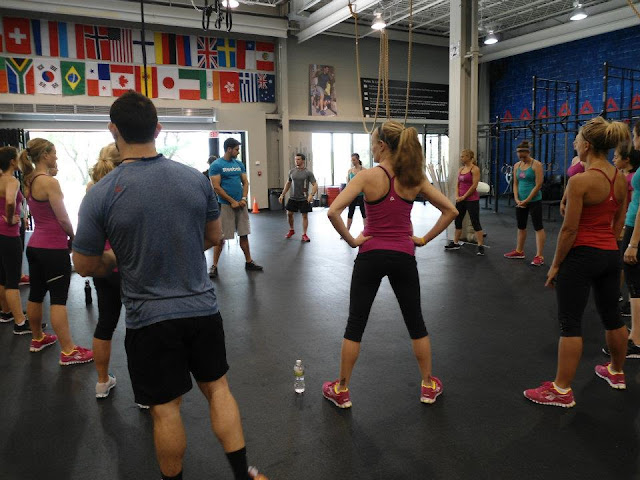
(298, 362)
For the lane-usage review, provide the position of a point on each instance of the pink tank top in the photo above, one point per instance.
(389, 223)
(6, 229)
(47, 232)
(465, 182)
(575, 169)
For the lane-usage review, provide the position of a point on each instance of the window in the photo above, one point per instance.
(342, 157)
(322, 158)
(332, 155)
(362, 146)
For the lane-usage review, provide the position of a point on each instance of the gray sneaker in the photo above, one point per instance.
(213, 272)
(480, 251)
(103, 389)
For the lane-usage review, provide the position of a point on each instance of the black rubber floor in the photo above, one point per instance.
(494, 333)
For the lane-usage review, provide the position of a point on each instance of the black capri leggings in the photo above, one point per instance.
(473, 207)
(583, 268)
(357, 202)
(109, 305)
(533, 208)
(49, 271)
(10, 261)
(368, 271)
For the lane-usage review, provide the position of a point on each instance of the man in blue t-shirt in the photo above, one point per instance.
(229, 180)
(160, 216)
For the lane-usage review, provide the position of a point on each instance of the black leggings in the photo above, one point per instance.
(49, 271)
(583, 268)
(533, 208)
(368, 272)
(357, 202)
(473, 207)
(10, 261)
(631, 272)
(109, 305)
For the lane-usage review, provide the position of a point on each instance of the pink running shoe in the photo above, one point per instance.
(514, 254)
(305, 238)
(44, 342)
(537, 261)
(290, 234)
(428, 394)
(77, 355)
(615, 380)
(546, 394)
(340, 399)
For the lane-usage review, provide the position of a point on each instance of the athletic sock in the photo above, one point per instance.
(612, 371)
(21, 324)
(238, 462)
(561, 390)
(167, 477)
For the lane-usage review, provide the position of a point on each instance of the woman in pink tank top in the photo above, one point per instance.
(387, 248)
(48, 252)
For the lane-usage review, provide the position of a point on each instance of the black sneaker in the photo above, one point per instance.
(22, 329)
(252, 266)
(6, 317)
(633, 350)
(625, 310)
(213, 272)
(452, 246)
(480, 251)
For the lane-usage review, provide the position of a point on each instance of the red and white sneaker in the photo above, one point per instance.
(76, 356)
(546, 394)
(429, 393)
(537, 261)
(331, 393)
(24, 280)
(514, 254)
(305, 238)
(45, 341)
(290, 234)
(615, 380)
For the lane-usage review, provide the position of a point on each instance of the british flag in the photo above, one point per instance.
(262, 80)
(207, 52)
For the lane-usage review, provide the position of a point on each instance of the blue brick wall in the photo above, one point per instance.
(581, 60)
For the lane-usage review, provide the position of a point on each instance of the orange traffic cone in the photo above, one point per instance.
(255, 206)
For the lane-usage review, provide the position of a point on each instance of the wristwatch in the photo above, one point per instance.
(244, 198)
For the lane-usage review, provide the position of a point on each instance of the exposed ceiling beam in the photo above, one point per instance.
(347, 30)
(417, 10)
(568, 32)
(300, 6)
(326, 17)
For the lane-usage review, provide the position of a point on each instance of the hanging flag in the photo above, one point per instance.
(1, 38)
(192, 84)
(149, 42)
(122, 79)
(47, 76)
(150, 81)
(265, 59)
(45, 38)
(20, 76)
(165, 45)
(168, 82)
(97, 42)
(226, 52)
(246, 55)
(4, 84)
(120, 44)
(229, 87)
(207, 52)
(73, 81)
(17, 33)
(215, 86)
(98, 79)
(266, 87)
(186, 50)
(72, 41)
(248, 87)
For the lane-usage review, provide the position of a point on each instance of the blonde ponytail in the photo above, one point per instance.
(30, 156)
(406, 152)
(604, 135)
(108, 159)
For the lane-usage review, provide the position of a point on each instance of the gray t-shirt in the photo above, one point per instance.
(300, 180)
(153, 212)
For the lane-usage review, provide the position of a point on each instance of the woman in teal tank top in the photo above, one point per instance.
(356, 167)
(527, 182)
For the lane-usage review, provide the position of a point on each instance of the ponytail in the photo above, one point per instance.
(471, 154)
(108, 159)
(406, 152)
(31, 156)
(604, 135)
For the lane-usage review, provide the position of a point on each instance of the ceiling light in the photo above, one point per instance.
(578, 12)
(378, 22)
(491, 38)
(230, 3)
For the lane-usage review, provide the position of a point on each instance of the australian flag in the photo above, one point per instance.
(266, 88)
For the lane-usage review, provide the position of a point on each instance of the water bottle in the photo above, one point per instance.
(87, 293)
(298, 371)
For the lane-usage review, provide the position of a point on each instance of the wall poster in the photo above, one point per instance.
(322, 86)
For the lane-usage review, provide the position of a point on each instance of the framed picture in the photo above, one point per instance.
(322, 88)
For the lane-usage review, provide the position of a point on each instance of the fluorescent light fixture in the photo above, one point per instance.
(378, 22)
(491, 38)
(230, 3)
(578, 13)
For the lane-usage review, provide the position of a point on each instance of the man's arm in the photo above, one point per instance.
(212, 233)
(314, 190)
(215, 183)
(94, 265)
(245, 189)
(284, 192)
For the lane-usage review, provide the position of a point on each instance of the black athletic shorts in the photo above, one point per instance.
(10, 261)
(298, 205)
(162, 356)
(49, 271)
(535, 210)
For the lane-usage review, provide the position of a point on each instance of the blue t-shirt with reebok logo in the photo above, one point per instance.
(230, 177)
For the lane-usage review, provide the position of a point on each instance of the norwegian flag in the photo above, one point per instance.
(207, 52)
(97, 42)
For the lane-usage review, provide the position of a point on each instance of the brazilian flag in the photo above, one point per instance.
(73, 79)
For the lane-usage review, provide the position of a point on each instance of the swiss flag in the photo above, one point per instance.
(122, 79)
(229, 87)
(17, 33)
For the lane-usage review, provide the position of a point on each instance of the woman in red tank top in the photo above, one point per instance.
(387, 248)
(586, 258)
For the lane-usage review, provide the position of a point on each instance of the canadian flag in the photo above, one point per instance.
(168, 83)
(265, 57)
(98, 79)
(122, 79)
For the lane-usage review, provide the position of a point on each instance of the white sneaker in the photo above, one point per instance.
(103, 389)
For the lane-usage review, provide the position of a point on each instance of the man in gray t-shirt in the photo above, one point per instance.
(300, 198)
